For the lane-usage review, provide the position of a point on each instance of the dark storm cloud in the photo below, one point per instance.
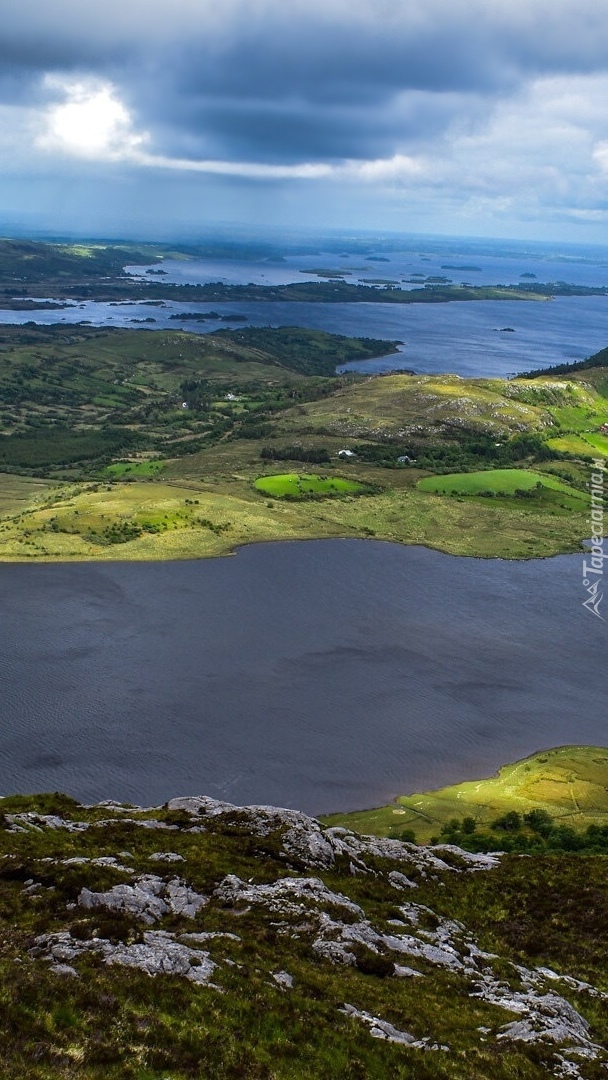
(268, 80)
(294, 130)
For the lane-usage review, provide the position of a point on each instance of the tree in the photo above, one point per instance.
(539, 821)
(510, 822)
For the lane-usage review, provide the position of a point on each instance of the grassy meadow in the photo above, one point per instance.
(199, 517)
(519, 485)
(568, 782)
(301, 485)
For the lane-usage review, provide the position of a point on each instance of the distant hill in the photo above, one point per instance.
(28, 261)
(598, 360)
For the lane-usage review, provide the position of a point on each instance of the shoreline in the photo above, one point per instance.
(229, 552)
(529, 782)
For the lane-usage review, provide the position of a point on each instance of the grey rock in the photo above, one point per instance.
(33, 888)
(147, 823)
(381, 1029)
(107, 861)
(288, 896)
(307, 840)
(39, 822)
(183, 900)
(283, 979)
(399, 881)
(208, 935)
(148, 899)
(158, 954)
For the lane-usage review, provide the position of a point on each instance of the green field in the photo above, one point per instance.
(569, 782)
(509, 483)
(576, 445)
(299, 485)
(598, 443)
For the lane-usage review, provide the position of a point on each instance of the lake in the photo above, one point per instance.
(320, 675)
(463, 337)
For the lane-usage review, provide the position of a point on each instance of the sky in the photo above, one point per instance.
(164, 118)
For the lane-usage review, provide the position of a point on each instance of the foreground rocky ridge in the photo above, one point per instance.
(306, 951)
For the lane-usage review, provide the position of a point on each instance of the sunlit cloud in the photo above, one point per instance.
(90, 122)
(370, 171)
(251, 169)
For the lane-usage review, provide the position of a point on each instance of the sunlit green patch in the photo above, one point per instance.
(86, 252)
(301, 485)
(578, 417)
(571, 444)
(502, 482)
(598, 442)
(569, 782)
(585, 444)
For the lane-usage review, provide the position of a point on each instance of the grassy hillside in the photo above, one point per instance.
(405, 407)
(61, 383)
(26, 262)
(570, 783)
(155, 444)
(198, 939)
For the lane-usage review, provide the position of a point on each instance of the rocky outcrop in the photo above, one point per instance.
(159, 953)
(347, 905)
(381, 1029)
(148, 899)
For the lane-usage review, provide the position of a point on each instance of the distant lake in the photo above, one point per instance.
(466, 338)
(322, 675)
(463, 337)
(408, 267)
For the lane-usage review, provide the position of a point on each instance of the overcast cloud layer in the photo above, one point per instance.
(460, 116)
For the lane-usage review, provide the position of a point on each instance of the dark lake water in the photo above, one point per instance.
(323, 675)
